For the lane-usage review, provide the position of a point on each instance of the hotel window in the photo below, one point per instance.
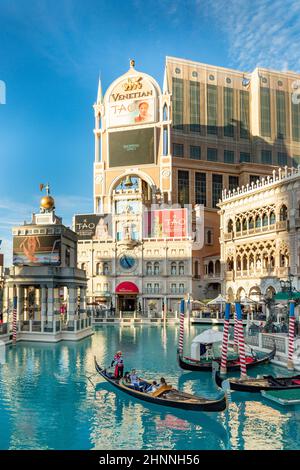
(105, 287)
(209, 236)
(181, 268)
(233, 182)
(156, 268)
(200, 188)
(149, 287)
(244, 114)
(177, 103)
(280, 114)
(296, 122)
(228, 156)
(253, 179)
(156, 287)
(173, 269)
(181, 288)
(149, 269)
(194, 106)
(282, 158)
(212, 155)
(173, 288)
(195, 152)
(105, 268)
(266, 157)
(244, 157)
(177, 150)
(265, 112)
(211, 109)
(217, 185)
(228, 112)
(183, 187)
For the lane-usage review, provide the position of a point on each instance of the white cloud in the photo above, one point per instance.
(263, 33)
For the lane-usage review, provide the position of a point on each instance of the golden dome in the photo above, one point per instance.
(47, 202)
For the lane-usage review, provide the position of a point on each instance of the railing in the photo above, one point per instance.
(266, 341)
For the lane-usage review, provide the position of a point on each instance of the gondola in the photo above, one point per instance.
(256, 385)
(204, 365)
(168, 396)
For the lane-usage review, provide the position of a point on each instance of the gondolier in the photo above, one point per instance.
(119, 364)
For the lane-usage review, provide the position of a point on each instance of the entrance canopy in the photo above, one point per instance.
(127, 287)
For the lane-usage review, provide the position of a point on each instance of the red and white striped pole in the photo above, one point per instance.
(225, 339)
(235, 333)
(14, 325)
(181, 327)
(241, 340)
(290, 363)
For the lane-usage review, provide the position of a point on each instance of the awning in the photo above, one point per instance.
(286, 296)
(127, 287)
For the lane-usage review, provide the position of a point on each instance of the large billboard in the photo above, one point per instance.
(92, 226)
(166, 223)
(131, 102)
(37, 250)
(134, 147)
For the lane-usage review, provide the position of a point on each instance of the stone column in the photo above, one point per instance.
(50, 304)
(72, 303)
(82, 308)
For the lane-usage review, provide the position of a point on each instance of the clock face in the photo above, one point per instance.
(127, 261)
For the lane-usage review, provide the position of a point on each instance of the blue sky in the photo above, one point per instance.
(52, 53)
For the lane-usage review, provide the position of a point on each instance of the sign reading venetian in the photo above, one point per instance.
(132, 101)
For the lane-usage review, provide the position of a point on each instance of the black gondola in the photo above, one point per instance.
(256, 385)
(232, 365)
(168, 396)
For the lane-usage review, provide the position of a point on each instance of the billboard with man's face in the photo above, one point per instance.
(36, 250)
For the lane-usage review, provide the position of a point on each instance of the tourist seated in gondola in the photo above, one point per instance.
(127, 377)
(152, 388)
(136, 382)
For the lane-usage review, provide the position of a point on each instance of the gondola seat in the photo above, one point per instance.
(161, 390)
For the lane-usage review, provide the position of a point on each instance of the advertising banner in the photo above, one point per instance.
(35, 250)
(131, 102)
(134, 147)
(92, 226)
(166, 223)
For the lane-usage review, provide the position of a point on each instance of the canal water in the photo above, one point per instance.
(50, 398)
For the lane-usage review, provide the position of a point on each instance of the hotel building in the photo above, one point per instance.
(208, 129)
(260, 237)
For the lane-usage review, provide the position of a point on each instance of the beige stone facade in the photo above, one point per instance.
(260, 237)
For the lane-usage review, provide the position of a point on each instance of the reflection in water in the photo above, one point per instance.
(46, 400)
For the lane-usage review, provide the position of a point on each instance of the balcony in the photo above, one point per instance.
(229, 276)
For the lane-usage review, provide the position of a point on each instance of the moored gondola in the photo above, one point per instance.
(167, 396)
(205, 365)
(256, 385)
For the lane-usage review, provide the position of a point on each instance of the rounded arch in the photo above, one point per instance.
(270, 292)
(230, 294)
(140, 174)
(255, 293)
(241, 293)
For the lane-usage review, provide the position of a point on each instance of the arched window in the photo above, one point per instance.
(173, 269)
(283, 212)
(265, 220)
(251, 223)
(156, 268)
(218, 267)
(230, 226)
(229, 264)
(196, 268)
(244, 224)
(165, 112)
(98, 269)
(209, 237)
(238, 263)
(245, 263)
(272, 218)
(105, 268)
(257, 221)
(238, 225)
(210, 267)
(149, 269)
(181, 268)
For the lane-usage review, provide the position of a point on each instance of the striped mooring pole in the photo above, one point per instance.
(225, 339)
(14, 325)
(241, 339)
(235, 332)
(290, 363)
(181, 326)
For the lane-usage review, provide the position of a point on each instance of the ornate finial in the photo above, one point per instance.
(132, 63)
(47, 202)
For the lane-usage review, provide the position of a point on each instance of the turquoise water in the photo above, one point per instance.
(48, 402)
